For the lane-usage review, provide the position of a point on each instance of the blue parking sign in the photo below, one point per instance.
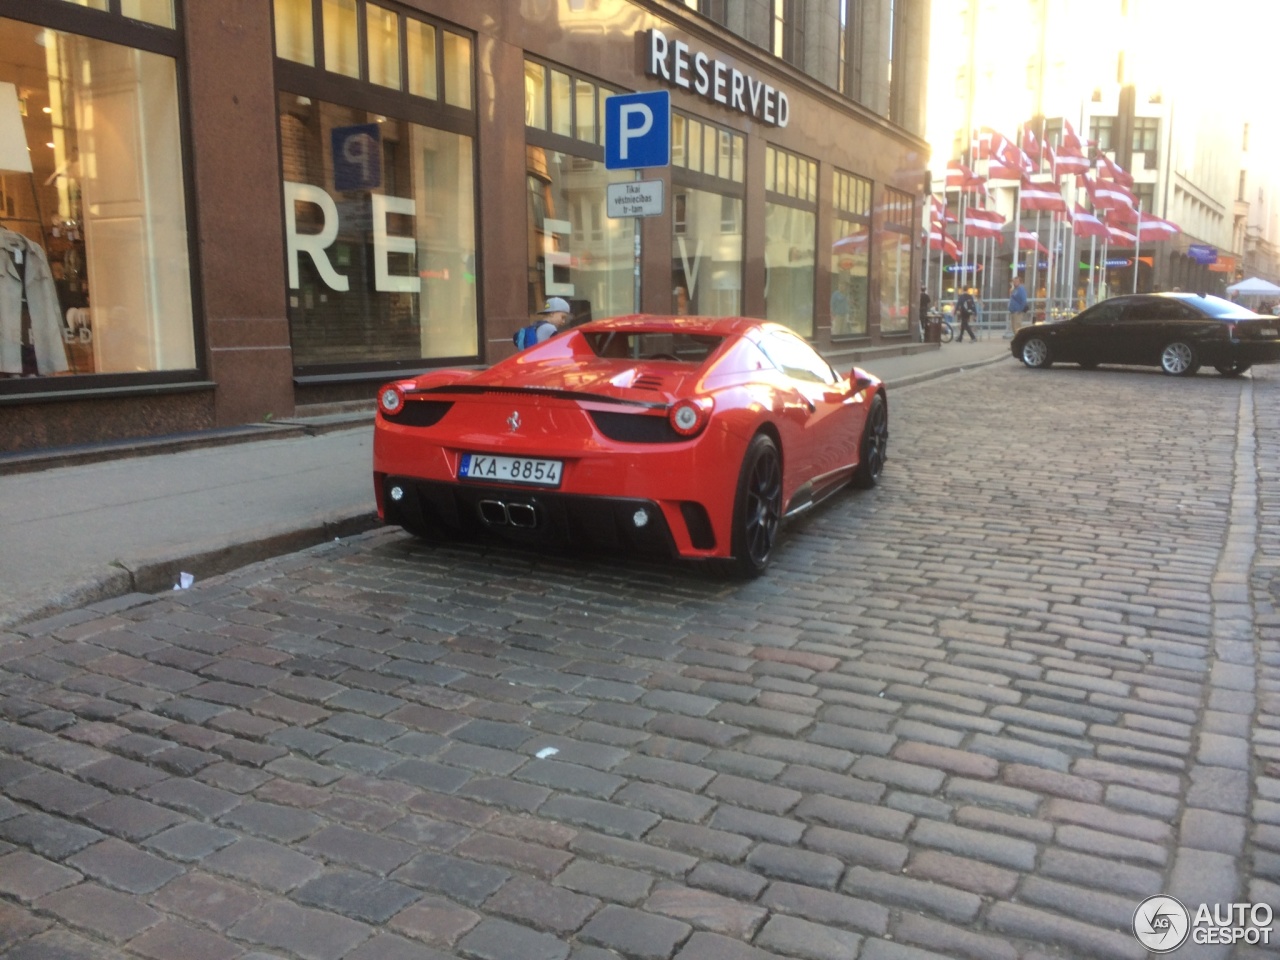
(357, 157)
(637, 130)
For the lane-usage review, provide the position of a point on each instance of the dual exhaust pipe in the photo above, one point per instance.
(499, 513)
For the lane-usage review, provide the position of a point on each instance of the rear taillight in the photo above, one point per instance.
(391, 399)
(689, 417)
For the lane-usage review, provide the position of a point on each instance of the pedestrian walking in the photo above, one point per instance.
(966, 310)
(926, 304)
(1017, 305)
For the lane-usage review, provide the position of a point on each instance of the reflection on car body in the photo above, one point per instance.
(1178, 332)
(692, 437)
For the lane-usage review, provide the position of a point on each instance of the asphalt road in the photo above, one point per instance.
(979, 712)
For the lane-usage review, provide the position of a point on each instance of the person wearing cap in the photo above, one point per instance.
(552, 317)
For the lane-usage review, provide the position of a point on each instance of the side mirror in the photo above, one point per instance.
(859, 379)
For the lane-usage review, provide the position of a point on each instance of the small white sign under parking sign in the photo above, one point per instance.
(638, 198)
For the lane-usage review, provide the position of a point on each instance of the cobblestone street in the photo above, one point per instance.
(980, 712)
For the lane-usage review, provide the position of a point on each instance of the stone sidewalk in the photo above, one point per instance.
(979, 712)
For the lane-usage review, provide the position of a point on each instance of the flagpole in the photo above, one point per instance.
(1017, 225)
(1106, 244)
(1071, 271)
(924, 281)
(1137, 247)
(1093, 266)
(964, 241)
(942, 254)
(987, 259)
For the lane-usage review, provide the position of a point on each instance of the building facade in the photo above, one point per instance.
(220, 212)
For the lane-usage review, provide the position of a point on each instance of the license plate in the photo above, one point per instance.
(538, 473)
(1267, 332)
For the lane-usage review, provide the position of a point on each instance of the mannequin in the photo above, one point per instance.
(26, 286)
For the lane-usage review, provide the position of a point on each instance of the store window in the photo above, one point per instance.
(894, 242)
(791, 224)
(402, 52)
(94, 252)
(381, 251)
(576, 250)
(707, 183)
(379, 189)
(851, 255)
(158, 12)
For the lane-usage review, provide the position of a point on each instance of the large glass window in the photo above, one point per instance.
(895, 262)
(576, 250)
(94, 254)
(791, 224)
(158, 12)
(380, 236)
(379, 204)
(707, 254)
(707, 177)
(434, 57)
(295, 32)
(851, 256)
(341, 37)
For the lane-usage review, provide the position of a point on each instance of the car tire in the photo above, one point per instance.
(1233, 369)
(874, 448)
(757, 509)
(1178, 359)
(1035, 353)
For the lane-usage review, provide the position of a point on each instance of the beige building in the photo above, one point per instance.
(1119, 72)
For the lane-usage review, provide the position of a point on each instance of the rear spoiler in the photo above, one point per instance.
(542, 392)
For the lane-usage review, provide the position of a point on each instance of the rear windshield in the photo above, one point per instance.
(681, 347)
(1224, 309)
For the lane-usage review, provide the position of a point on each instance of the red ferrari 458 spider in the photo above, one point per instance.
(691, 437)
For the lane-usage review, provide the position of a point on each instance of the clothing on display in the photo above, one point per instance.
(27, 288)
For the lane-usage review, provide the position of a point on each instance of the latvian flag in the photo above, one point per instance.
(1042, 196)
(1085, 224)
(1027, 240)
(983, 224)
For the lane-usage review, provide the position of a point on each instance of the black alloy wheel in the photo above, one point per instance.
(757, 508)
(1233, 369)
(1178, 359)
(1035, 353)
(874, 449)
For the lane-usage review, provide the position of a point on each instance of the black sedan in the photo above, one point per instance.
(1177, 332)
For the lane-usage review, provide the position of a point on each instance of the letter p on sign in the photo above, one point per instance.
(637, 130)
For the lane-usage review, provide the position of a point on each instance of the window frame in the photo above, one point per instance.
(858, 188)
(111, 26)
(1097, 126)
(1146, 130)
(367, 95)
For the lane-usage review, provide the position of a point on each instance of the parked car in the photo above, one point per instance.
(1177, 332)
(692, 437)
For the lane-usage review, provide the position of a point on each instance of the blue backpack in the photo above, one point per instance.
(527, 336)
